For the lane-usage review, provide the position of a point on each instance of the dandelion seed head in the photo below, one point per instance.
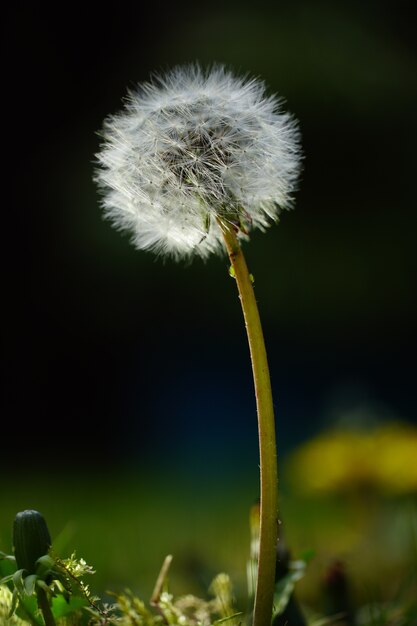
(192, 146)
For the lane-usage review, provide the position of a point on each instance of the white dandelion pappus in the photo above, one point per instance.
(193, 146)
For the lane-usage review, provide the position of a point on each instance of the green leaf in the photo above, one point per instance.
(283, 591)
(29, 584)
(42, 584)
(17, 579)
(285, 586)
(6, 579)
(28, 610)
(44, 566)
(15, 600)
(7, 565)
(62, 608)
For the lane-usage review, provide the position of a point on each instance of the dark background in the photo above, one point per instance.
(116, 359)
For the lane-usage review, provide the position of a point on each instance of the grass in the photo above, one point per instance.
(124, 524)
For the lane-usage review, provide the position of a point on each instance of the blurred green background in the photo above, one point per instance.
(128, 410)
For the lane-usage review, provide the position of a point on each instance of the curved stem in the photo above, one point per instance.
(266, 429)
(43, 604)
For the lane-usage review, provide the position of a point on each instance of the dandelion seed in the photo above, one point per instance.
(193, 146)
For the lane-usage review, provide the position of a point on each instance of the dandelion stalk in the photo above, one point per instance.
(266, 430)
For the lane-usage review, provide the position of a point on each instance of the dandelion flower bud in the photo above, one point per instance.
(31, 539)
(191, 147)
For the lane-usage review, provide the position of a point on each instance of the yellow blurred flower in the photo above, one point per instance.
(384, 459)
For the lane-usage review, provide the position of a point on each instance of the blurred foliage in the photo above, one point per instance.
(126, 523)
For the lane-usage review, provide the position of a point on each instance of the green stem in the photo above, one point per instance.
(262, 612)
(44, 607)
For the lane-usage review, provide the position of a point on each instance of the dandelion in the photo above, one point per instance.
(382, 459)
(191, 147)
(194, 162)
